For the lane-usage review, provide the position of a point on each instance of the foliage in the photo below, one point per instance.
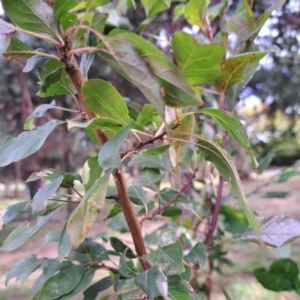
(170, 124)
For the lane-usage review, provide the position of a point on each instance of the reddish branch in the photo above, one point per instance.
(170, 202)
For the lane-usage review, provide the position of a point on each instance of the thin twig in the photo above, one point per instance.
(161, 208)
(104, 267)
(147, 142)
(214, 219)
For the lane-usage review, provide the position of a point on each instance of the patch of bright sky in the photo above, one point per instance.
(1, 9)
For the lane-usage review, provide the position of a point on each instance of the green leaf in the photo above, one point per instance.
(99, 21)
(109, 153)
(197, 255)
(234, 221)
(114, 211)
(23, 233)
(147, 116)
(172, 212)
(40, 199)
(153, 282)
(126, 288)
(102, 285)
(186, 125)
(52, 237)
(62, 283)
(276, 231)
(265, 161)
(63, 86)
(50, 267)
(186, 275)
(91, 4)
(149, 178)
(36, 61)
(67, 20)
(157, 151)
(9, 213)
(41, 110)
(32, 15)
(23, 268)
(281, 276)
(64, 245)
(167, 194)
(234, 128)
(85, 281)
(161, 162)
(61, 7)
(216, 154)
(15, 50)
(180, 289)
(286, 174)
(195, 13)
(126, 266)
(233, 69)
(199, 64)
(168, 258)
(91, 171)
(120, 247)
(103, 99)
(88, 58)
(87, 211)
(137, 194)
(111, 126)
(50, 79)
(275, 194)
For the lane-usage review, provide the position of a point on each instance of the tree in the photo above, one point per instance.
(163, 141)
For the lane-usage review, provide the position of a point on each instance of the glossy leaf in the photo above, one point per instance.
(234, 128)
(41, 110)
(265, 161)
(149, 178)
(234, 220)
(153, 282)
(61, 7)
(116, 209)
(40, 199)
(14, 149)
(16, 50)
(35, 16)
(126, 266)
(167, 194)
(157, 151)
(85, 281)
(172, 212)
(126, 287)
(282, 276)
(91, 171)
(276, 231)
(168, 258)
(109, 153)
(180, 289)
(233, 69)
(147, 116)
(9, 213)
(99, 21)
(216, 154)
(88, 58)
(50, 267)
(50, 79)
(195, 12)
(95, 3)
(161, 162)
(87, 211)
(23, 268)
(137, 194)
(61, 283)
(36, 61)
(120, 247)
(64, 245)
(197, 255)
(62, 86)
(186, 126)
(199, 64)
(23, 233)
(102, 285)
(105, 101)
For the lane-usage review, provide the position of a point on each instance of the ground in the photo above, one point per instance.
(237, 280)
